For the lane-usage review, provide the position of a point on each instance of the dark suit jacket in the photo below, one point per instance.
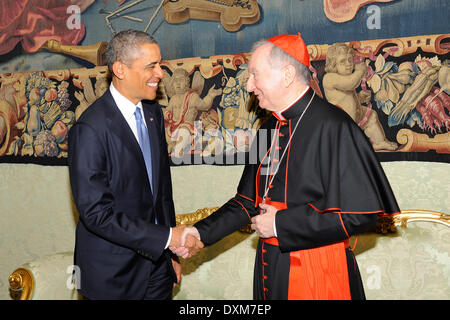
(117, 242)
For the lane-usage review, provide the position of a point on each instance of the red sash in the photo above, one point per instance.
(316, 274)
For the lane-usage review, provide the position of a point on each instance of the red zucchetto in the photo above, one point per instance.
(292, 45)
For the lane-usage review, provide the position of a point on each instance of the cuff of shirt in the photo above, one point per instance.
(275, 228)
(170, 239)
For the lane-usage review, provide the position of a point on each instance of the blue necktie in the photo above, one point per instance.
(144, 142)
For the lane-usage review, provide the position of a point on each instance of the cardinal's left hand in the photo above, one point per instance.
(263, 223)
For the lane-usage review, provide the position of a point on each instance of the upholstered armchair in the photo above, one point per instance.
(406, 257)
(47, 278)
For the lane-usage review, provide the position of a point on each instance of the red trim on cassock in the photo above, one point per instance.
(316, 273)
(339, 210)
(276, 116)
(242, 208)
(241, 195)
(264, 277)
(343, 225)
(274, 242)
(258, 172)
(287, 165)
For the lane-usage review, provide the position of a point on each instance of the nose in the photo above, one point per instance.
(250, 84)
(159, 72)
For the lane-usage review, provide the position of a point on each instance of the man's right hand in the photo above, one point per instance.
(185, 241)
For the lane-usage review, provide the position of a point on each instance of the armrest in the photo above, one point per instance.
(389, 223)
(21, 284)
(47, 278)
(406, 257)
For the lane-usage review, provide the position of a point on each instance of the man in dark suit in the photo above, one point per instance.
(121, 182)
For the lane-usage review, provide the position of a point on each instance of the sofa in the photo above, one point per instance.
(405, 258)
(39, 216)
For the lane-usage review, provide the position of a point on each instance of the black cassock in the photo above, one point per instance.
(328, 186)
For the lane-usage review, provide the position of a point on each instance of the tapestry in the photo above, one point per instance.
(37, 110)
(32, 22)
(396, 90)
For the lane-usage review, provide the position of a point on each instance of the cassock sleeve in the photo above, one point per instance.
(236, 212)
(354, 191)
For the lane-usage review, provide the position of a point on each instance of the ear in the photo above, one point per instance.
(119, 69)
(288, 75)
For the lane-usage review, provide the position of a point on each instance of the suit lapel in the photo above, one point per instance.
(119, 127)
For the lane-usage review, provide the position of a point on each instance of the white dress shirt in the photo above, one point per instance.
(127, 108)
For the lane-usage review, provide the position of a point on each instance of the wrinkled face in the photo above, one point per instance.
(344, 64)
(142, 76)
(264, 80)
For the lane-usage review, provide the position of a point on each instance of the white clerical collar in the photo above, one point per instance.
(279, 113)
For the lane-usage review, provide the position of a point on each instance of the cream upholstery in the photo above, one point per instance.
(225, 270)
(409, 262)
(49, 278)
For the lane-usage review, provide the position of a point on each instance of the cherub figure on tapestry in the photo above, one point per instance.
(342, 78)
(185, 105)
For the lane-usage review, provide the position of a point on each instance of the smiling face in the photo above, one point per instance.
(344, 63)
(264, 80)
(138, 80)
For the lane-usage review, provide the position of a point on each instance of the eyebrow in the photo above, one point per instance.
(152, 64)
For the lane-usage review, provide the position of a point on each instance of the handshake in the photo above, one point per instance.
(185, 241)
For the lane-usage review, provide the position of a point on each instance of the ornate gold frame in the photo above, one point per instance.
(389, 223)
(21, 284)
(193, 217)
(21, 281)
